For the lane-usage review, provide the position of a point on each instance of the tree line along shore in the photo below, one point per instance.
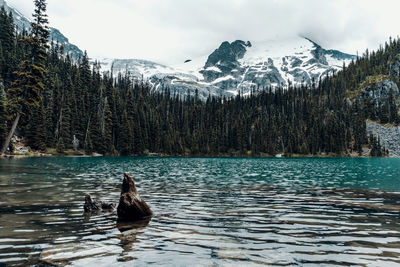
(67, 106)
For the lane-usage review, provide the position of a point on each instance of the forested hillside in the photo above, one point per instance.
(55, 99)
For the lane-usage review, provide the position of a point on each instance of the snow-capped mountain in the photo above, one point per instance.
(184, 79)
(232, 68)
(22, 23)
(238, 67)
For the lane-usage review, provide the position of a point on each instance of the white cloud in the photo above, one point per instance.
(170, 31)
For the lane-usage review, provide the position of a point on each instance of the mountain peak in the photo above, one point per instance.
(227, 53)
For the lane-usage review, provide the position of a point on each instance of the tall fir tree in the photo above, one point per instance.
(25, 91)
(3, 113)
(7, 46)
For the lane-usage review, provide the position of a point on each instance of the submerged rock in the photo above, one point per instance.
(93, 205)
(131, 206)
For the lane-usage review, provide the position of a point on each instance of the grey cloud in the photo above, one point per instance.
(170, 31)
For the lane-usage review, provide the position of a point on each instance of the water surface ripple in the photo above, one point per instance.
(213, 212)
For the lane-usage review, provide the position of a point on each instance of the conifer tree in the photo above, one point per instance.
(3, 113)
(108, 131)
(25, 91)
(7, 41)
(36, 129)
(2, 61)
(113, 114)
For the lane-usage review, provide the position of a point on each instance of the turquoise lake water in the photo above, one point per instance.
(207, 212)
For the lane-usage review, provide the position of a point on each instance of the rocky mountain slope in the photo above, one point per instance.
(381, 90)
(238, 67)
(22, 23)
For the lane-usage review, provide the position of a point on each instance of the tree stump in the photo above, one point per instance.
(93, 205)
(131, 207)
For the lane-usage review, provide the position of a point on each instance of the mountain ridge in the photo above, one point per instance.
(234, 67)
(23, 23)
(239, 67)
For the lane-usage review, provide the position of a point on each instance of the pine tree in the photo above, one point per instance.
(108, 131)
(25, 91)
(40, 30)
(36, 133)
(7, 41)
(3, 114)
(2, 61)
(125, 145)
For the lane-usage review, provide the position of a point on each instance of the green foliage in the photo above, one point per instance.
(8, 57)
(40, 29)
(112, 115)
(373, 80)
(60, 146)
(28, 81)
(36, 129)
(24, 94)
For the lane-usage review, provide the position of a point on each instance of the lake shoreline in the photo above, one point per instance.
(161, 155)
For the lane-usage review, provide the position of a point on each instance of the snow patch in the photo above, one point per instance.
(213, 68)
(222, 79)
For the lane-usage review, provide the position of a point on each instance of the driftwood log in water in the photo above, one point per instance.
(131, 206)
(93, 205)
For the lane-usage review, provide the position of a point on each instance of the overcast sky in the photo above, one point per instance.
(170, 31)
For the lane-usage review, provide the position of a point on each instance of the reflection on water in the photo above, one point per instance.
(305, 212)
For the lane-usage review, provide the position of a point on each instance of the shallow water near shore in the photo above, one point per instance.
(213, 212)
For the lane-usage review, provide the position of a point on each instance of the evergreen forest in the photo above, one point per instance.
(50, 98)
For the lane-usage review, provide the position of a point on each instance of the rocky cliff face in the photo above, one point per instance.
(22, 23)
(380, 91)
(389, 136)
